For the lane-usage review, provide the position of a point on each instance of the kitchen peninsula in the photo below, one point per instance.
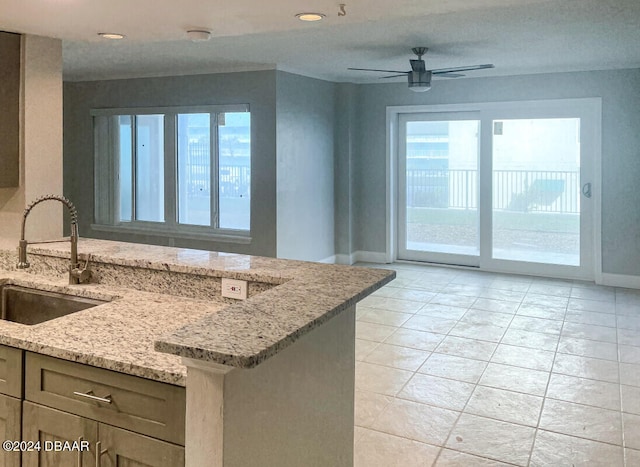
(269, 380)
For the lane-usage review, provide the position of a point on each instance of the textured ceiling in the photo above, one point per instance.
(518, 36)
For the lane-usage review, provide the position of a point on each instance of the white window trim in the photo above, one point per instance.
(105, 170)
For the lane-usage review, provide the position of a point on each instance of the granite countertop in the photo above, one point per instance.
(122, 334)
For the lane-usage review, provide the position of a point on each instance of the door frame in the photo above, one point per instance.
(592, 107)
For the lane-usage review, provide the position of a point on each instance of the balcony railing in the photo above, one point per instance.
(513, 190)
(234, 180)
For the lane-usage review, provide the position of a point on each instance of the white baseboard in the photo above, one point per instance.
(370, 257)
(621, 280)
(345, 259)
(363, 256)
(328, 260)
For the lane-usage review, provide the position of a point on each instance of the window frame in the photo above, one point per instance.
(106, 174)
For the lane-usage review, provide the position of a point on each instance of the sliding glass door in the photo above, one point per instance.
(536, 190)
(439, 193)
(505, 188)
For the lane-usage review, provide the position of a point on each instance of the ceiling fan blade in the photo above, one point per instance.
(449, 75)
(462, 68)
(383, 71)
(393, 76)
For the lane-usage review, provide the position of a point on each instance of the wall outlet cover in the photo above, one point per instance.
(233, 288)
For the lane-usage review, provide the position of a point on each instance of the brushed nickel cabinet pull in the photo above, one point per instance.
(99, 453)
(89, 395)
(80, 452)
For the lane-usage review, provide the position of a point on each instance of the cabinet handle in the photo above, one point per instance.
(80, 452)
(89, 395)
(99, 453)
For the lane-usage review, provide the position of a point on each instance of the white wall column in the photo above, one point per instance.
(205, 413)
(295, 408)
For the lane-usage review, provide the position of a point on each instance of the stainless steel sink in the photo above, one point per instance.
(32, 306)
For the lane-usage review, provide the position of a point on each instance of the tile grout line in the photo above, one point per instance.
(412, 376)
(546, 390)
(394, 397)
(624, 451)
(476, 386)
(446, 440)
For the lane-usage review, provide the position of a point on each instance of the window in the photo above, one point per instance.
(174, 170)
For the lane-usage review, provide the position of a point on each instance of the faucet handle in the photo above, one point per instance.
(86, 263)
(81, 274)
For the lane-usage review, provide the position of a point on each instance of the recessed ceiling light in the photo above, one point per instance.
(111, 35)
(310, 16)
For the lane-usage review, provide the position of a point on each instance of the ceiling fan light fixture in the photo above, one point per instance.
(198, 35)
(419, 81)
(310, 16)
(419, 87)
(111, 35)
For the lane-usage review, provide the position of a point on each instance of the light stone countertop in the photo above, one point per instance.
(122, 334)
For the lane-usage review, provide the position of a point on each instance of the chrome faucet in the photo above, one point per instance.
(77, 274)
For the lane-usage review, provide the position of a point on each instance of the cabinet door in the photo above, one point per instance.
(122, 448)
(11, 368)
(10, 413)
(45, 424)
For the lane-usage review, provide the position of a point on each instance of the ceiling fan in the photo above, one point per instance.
(419, 77)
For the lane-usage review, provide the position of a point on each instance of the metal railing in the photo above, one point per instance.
(513, 190)
(234, 180)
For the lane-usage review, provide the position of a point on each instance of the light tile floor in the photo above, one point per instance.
(464, 368)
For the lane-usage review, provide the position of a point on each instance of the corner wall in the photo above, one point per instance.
(345, 150)
(305, 174)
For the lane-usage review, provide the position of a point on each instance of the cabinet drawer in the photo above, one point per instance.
(11, 371)
(137, 404)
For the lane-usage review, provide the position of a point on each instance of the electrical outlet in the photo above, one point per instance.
(233, 288)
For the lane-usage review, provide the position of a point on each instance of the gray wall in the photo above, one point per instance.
(330, 192)
(344, 150)
(256, 89)
(620, 147)
(305, 169)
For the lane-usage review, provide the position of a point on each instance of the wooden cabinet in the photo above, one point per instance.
(11, 371)
(10, 105)
(128, 421)
(10, 416)
(124, 420)
(10, 402)
(48, 425)
(108, 446)
(135, 404)
(123, 448)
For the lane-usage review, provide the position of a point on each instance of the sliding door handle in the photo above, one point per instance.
(586, 190)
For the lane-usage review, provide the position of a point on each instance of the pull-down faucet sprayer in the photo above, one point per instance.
(77, 275)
